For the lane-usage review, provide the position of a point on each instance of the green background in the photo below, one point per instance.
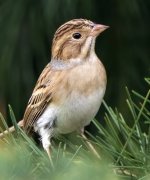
(26, 31)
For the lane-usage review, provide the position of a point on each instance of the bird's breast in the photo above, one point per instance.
(85, 90)
(76, 98)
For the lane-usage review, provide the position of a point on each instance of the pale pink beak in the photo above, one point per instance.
(97, 29)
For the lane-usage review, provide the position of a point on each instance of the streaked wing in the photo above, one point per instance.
(40, 98)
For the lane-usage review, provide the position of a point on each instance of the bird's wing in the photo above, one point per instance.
(40, 98)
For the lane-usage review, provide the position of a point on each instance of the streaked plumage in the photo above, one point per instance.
(70, 89)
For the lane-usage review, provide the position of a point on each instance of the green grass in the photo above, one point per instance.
(123, 144)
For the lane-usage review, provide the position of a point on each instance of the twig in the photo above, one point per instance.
(11, 129)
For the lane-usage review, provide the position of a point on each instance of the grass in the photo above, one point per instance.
(123, 144)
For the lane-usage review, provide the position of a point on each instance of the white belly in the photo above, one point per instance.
(75, 113)
(78, 111)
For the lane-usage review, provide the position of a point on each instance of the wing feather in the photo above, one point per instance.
(39, 100)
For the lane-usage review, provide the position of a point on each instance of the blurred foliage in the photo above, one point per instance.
(124, 150)
(22, 163)
(27, 28)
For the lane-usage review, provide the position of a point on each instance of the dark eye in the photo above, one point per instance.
(76, 35)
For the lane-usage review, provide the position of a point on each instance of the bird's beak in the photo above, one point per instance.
(97, 29)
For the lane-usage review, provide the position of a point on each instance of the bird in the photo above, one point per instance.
(70, 89)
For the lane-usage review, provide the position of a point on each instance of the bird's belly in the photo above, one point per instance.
(77, 111)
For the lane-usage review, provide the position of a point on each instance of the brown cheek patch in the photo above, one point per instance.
(68, 51)
(71, 51)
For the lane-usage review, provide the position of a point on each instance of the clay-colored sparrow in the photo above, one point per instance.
(70, 89)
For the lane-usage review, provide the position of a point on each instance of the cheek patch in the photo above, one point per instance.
(71, 51)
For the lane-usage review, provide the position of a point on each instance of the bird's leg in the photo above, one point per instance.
(47, 147)
(46, 135)
(89, 144)
(48, 150)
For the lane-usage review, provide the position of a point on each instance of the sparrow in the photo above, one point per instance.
(69, 91)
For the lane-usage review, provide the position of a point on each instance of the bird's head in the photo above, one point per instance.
(75, 39)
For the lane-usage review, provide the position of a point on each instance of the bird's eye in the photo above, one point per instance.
(76, 35)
